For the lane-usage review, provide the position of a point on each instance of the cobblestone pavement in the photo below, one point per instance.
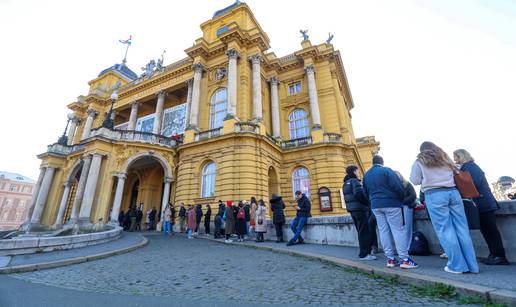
(185, 269)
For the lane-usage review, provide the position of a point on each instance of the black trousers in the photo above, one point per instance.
(361, 220)
(491, 234)
(207, 226)
(372, 228)
(279, 230)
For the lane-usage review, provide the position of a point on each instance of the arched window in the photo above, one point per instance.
(301, 181)
(218, 109)
(298, 124)
(208, 180)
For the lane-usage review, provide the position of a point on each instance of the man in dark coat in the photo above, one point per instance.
(121, 218)
(278, 216)
(358, 206)
(182, 218)
(198, 217)
(139, 217)
(152, 218)
(303, 213)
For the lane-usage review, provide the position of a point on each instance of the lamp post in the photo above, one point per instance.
(109, 121)
(63, 140)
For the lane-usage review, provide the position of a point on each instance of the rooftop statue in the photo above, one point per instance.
(148, 70)
(305, 36)
(330, 37)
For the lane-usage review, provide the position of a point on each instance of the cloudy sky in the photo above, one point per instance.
(435, 70)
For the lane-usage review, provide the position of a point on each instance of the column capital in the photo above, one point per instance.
(232, 54)
(274, 80)
(198, 68)
(135, 104)
(120, 175)
(92, 112)
(189, 82)
(170, 179)
(161, 93)
(310, 69)
(97, 154)
(256, 58)
(86, 156)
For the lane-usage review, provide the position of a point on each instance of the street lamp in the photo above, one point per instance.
(63, 140)
(109, 121)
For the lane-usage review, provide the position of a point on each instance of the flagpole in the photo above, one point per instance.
(125, 56)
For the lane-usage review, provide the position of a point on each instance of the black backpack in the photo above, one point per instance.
(419, 245)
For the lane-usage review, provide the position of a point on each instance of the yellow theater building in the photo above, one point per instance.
(229, 121)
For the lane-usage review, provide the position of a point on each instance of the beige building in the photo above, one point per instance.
(15, 197)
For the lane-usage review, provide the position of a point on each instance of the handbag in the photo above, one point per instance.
(472, 213)
(465, 184)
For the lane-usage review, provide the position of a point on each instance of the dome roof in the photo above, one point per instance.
(122, 69)
(506, 179)
(227, 9)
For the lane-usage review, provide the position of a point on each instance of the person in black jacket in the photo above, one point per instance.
(207, 218)
(139, 217)
(182, 218)
(487, 205)
(278, 216)
(121, 218)
(303, 213)
(358, 206)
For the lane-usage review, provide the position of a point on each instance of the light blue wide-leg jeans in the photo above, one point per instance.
(449, 220)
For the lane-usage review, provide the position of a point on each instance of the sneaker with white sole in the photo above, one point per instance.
(391, 263)
(368, 258)
(447, 269)
(408, 264)
(443, 256)
(228, 241)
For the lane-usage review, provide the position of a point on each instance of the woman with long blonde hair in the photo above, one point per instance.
(434, 171)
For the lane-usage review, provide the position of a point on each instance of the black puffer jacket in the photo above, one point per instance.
(354, 195)
(277, 207)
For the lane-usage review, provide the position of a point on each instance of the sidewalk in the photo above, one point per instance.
(496, 283)
(33, 262)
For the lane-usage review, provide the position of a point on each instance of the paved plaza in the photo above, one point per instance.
(181, 272)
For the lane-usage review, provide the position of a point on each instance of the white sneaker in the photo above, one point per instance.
(228, 241)
(443, 256)
(447, 269)
(368, 258)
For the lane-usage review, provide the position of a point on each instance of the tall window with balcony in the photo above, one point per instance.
(218, 112)
(298, 124)
(301, 181)
(208, 180)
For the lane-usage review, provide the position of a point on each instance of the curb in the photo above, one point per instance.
(491, 294)
(76, 260)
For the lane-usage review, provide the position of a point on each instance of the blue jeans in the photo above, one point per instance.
(297, 226)
(449, 220)
(166, 228)
(189, 232)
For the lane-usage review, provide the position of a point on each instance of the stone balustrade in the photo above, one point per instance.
(246, 127)
(208, 134)
(332, 138)
(296, 142)
(134, 136)
(63, 149)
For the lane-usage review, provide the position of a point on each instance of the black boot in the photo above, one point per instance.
(496, 260)
(291, 242)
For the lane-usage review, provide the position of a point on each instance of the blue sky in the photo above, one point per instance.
(440, 70)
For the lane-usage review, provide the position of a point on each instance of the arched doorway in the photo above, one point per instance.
(73, 179)
(274, 184)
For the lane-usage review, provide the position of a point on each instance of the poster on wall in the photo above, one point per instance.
(174, 120)
(146, 123)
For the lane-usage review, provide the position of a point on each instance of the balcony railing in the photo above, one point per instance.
(146, 137)
(272, 139)
(332, 138)
(63, 149)
(296, 142)
(208, 134)
(247, 127)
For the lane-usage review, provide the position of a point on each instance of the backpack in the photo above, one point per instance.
(419, 245)
(241, 214)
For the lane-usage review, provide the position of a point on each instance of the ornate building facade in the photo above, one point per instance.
(229, 121)
(15, 196)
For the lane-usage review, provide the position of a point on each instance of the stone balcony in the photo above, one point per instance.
(135, 136)
(64, 150)
(208, 134)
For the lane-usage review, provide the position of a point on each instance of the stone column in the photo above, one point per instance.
(89, 122)
(257, 88)
(35, 194)
(62, 206)
(80, 189)
(314, 103)
(133, 117)
(72, 129)
(196, 95)
(117, 202)
(158, 118)
(166, 197)
(46, 184)
(232, 83)
(189, 83)
(276, 129)
(89, 190)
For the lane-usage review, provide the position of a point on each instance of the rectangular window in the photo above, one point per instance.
(13, 188)
(294, 88)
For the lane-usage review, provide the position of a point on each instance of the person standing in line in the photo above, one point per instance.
(152, 218)
(167, 220)
(192, 221)
(358, 206)
(386, 192)
(132, 217)
(303, 208)
(434, 171)
(182, 217)
(247, 209)
(278, 216)
(409, 203)
(252, 218)
(198, 217)
(121, 218)
(218, 226)
(207, 220)
(172, 218)
(240, 222)
(147, 220)
(230, 221)
(139, 217)
(261, 223)
(487, 205)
